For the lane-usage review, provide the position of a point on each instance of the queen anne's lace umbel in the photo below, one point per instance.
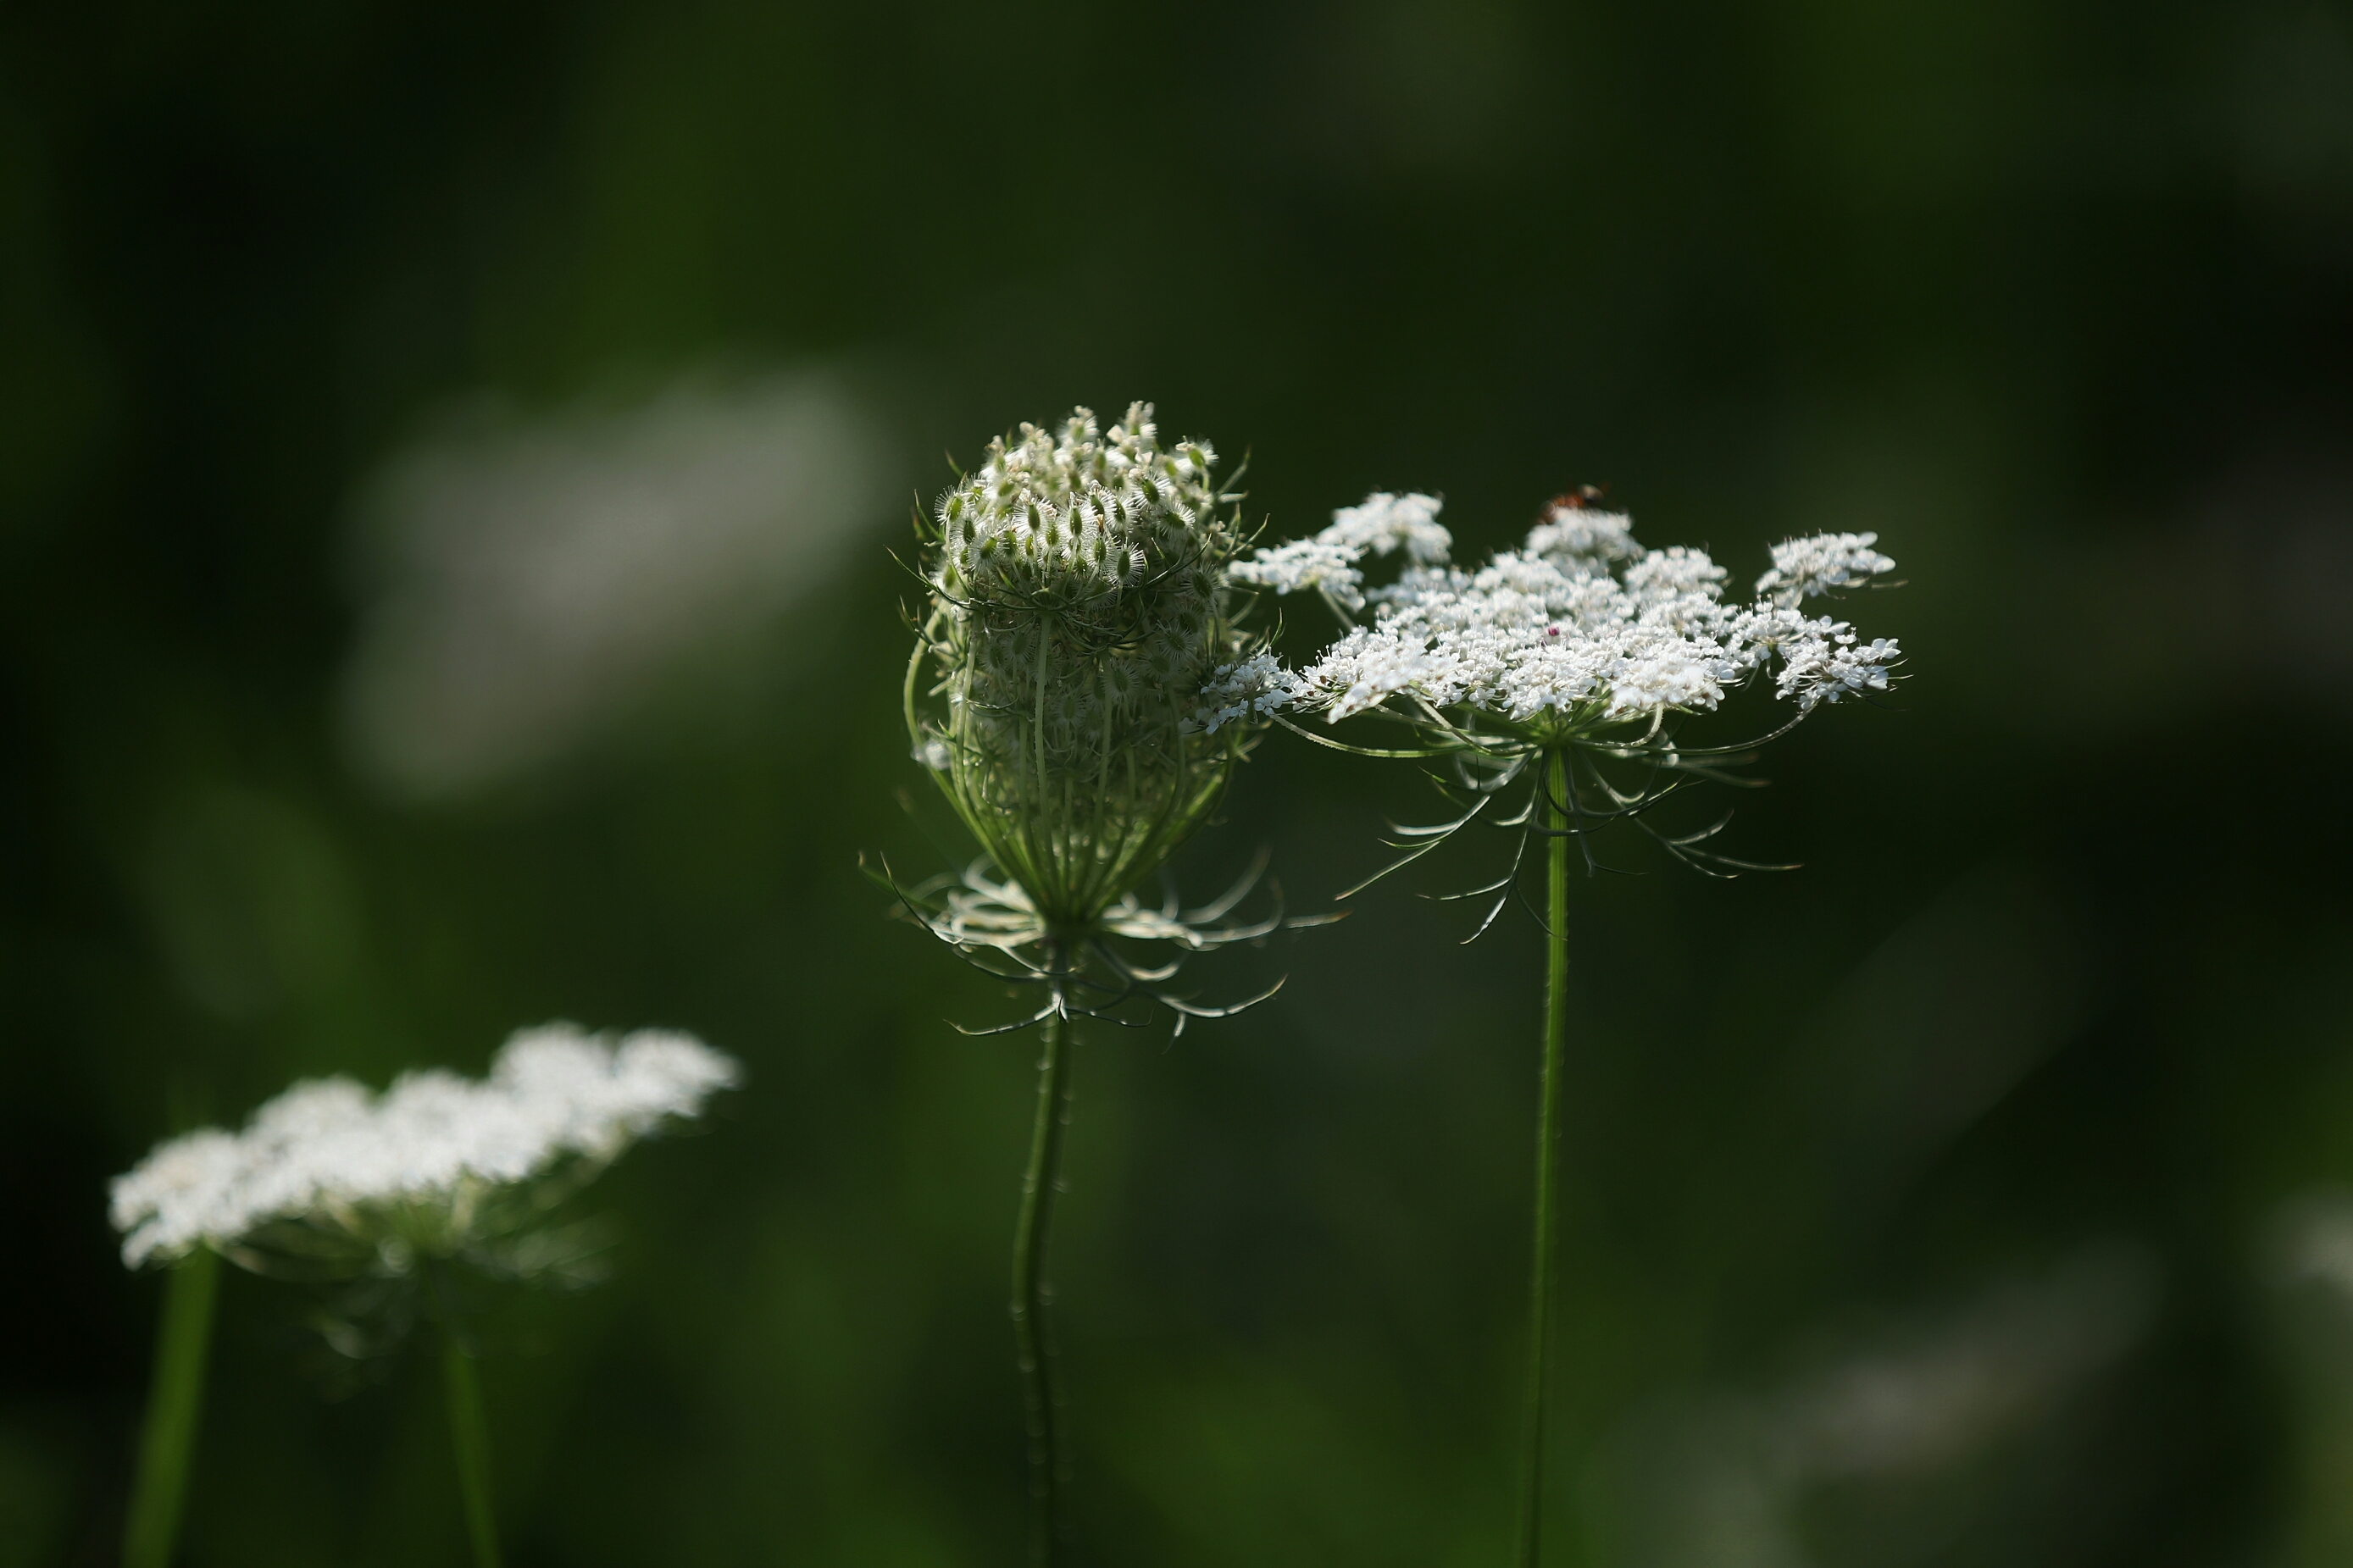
(1085, 656)
(1580, 627)
(418, 1161)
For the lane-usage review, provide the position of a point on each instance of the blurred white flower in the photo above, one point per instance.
(2312, 1241)
(2308, 1253)
(527, 585)
(417, 1162)
(1729, 1480)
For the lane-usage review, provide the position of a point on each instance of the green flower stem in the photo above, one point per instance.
(469, 1440)
(1540, 1270)
(182, 1343)
(1047, 1470)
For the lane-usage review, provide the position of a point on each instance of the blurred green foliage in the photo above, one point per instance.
(1964, 1197)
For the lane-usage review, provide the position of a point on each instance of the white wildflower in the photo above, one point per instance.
(1581, 538)
(186, 1190)
(1381, 524)
(1820, 563)
(1669, 674)
(1671, 575)
(1369, 664)
(1081, 604)
(1384, 523)
(1546, 680)
(421, 1158)
(1837, 665)
(1303, 564)
(1250, 688)
(1081, 522)
(1584, 627)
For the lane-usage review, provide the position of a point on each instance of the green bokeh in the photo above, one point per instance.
(2024, 1076)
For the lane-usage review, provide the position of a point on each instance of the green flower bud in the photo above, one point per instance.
(1079, 606)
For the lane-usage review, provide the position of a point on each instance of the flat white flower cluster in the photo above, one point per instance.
(1382, 524)
(329, 1150)
(1583, 625)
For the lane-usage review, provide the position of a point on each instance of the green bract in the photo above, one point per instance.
(1079, 605)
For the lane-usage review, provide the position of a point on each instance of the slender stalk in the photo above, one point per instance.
(1047, 1469)
(469, 1440)
(1540, 1270)
(182, 1342)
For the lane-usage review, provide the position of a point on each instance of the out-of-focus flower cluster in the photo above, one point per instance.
(420, 1168)
(1580, 627)
(1080, 605)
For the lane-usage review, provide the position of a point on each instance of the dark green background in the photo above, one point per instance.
(2052, 1022)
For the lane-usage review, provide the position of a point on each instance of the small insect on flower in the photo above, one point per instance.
(341, 1181)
